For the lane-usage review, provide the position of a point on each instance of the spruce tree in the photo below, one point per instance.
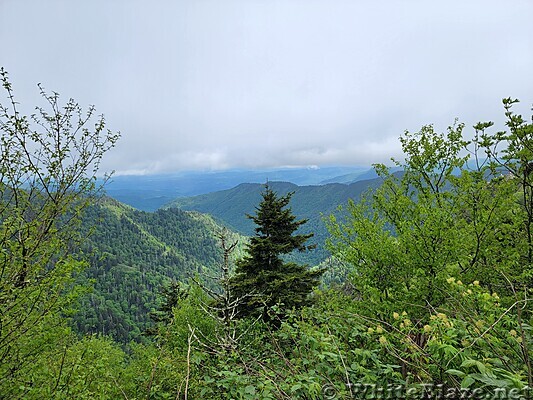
(263, 277)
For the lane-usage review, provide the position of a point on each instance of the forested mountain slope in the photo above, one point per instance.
(132, 255)
(309, 202)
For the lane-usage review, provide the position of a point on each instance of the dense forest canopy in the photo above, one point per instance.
(134, 255)
(435, 299)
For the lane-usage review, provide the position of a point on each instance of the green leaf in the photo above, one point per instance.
(249, 389)
(296, 387)
(456, 372)
(474, 363)
(467, 382)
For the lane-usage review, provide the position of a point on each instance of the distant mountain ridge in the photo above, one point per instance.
(308, 202)
(358, 176)
(149, 192)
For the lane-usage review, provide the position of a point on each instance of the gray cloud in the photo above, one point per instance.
(219, 84)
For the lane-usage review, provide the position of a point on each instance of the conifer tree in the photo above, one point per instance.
(263, 275)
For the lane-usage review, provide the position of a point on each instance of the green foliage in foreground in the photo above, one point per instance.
(47, 179)
(332, 347)
(412, 233)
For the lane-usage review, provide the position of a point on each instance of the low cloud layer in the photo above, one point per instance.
(225, 84)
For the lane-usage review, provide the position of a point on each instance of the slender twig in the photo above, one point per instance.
(189, 342)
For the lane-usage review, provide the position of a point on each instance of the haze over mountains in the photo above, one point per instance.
(149, 192)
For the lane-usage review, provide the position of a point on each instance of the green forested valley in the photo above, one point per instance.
(430, 295)
(132, 256)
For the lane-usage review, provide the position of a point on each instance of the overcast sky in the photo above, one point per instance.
(263, 83)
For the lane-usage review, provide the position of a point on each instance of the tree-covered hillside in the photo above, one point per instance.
(133, 254)
(308, 202)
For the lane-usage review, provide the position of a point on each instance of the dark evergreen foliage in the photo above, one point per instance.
(170, 296)
(263, 277)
